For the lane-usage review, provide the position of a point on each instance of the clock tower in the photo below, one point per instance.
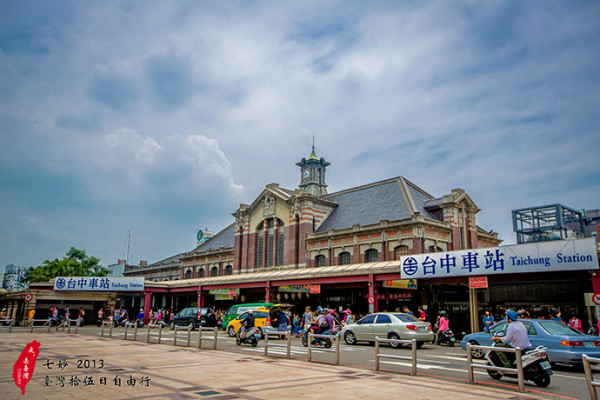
(312, 174)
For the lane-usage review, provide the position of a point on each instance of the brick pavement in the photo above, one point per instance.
(189, 373)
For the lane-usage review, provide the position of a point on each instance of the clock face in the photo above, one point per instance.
(200, 235)
(306, 174)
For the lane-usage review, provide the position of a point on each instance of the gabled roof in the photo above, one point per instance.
(224, 239)
(393, 199)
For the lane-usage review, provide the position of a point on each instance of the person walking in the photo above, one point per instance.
(80, 317)
(488, 321)
(575, 323)
(307, 318)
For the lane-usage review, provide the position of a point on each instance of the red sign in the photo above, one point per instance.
(596, 299)
(232, 292)
(371, 300)
(314, 289)
(25, 364)
(28, 297)
(476, 282)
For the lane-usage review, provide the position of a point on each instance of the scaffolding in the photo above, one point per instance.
(551, 222)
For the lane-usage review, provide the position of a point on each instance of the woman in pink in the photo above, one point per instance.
(443, 324)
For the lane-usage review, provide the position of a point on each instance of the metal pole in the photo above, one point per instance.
(589, 377)
(215, 341)
(414, 357)
(175, 336)
(289, 343)
(469, 364)
(12, 321)
(337, 350)
(376, 353)
(189, 329)
(520, 370)
(266, 344)
(125, 333)
(159, 333)
(148, 336)
(50, 324)
(110, 332)
(309, 340)
(199, 337)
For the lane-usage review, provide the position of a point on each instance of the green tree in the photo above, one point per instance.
(76, 263)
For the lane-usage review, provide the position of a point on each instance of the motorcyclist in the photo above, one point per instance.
(443, 324)
(516, 333)
(247, 323)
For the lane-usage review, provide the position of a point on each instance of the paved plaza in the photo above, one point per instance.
(113, 369)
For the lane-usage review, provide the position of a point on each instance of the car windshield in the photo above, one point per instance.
(407, 318)
(557, 328)
(203, 311)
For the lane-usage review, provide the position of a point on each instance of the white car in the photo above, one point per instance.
(388, 326)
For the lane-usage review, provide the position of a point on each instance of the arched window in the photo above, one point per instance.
(214, 271)
(274, 242)
(400, 251)
(344, 258)
(228, 270)
(201, 273)
(188, 274)
(320, 260)
(371, 255)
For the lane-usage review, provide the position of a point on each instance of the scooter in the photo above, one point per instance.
(447, 337)
(250, 336)
(536, 367)
(326, 342)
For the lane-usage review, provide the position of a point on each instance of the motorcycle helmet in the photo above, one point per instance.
(331, 312)
(512, 315)
(443, 313)
(249, 312)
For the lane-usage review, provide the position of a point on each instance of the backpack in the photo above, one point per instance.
(325, 326)
(349, 319)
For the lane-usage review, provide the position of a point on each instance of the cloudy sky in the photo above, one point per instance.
(159, 118)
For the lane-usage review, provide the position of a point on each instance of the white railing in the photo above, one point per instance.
(287, 334)
(200, 337)
(589, 377)
(518, 370)
(334, 338)
(412, 359)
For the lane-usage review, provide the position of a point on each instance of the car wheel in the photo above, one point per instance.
(420, 344)
(476, 353)
(231, 331)
(395, 337)
(349, 338)
(172, 325)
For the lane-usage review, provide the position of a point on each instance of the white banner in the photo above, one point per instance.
(555, 255)
(99, 284)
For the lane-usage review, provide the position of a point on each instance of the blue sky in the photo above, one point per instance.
(161, 117)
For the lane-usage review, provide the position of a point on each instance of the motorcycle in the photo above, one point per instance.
(447, 337)
(250, 336)
(536, 367)
(326, 342)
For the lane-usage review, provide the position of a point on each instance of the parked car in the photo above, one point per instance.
(388, 326)
(565, 345)
(194, 317)
(262, 320)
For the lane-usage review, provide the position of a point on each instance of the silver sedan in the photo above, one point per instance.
(390, 326)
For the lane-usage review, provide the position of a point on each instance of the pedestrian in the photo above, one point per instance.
(488, 321)
(423, 315)
(348, 317)
(575, 323)
(556, 315)
(50, 312)
(65, 319)
(140, 318)
(100, 317)
(406, 310)
(307, 318)
(283, 321)
(30, 316)
(80, 317)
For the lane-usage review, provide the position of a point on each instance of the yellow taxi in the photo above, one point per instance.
(261, 320)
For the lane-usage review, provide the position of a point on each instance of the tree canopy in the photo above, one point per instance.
(75, 263)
